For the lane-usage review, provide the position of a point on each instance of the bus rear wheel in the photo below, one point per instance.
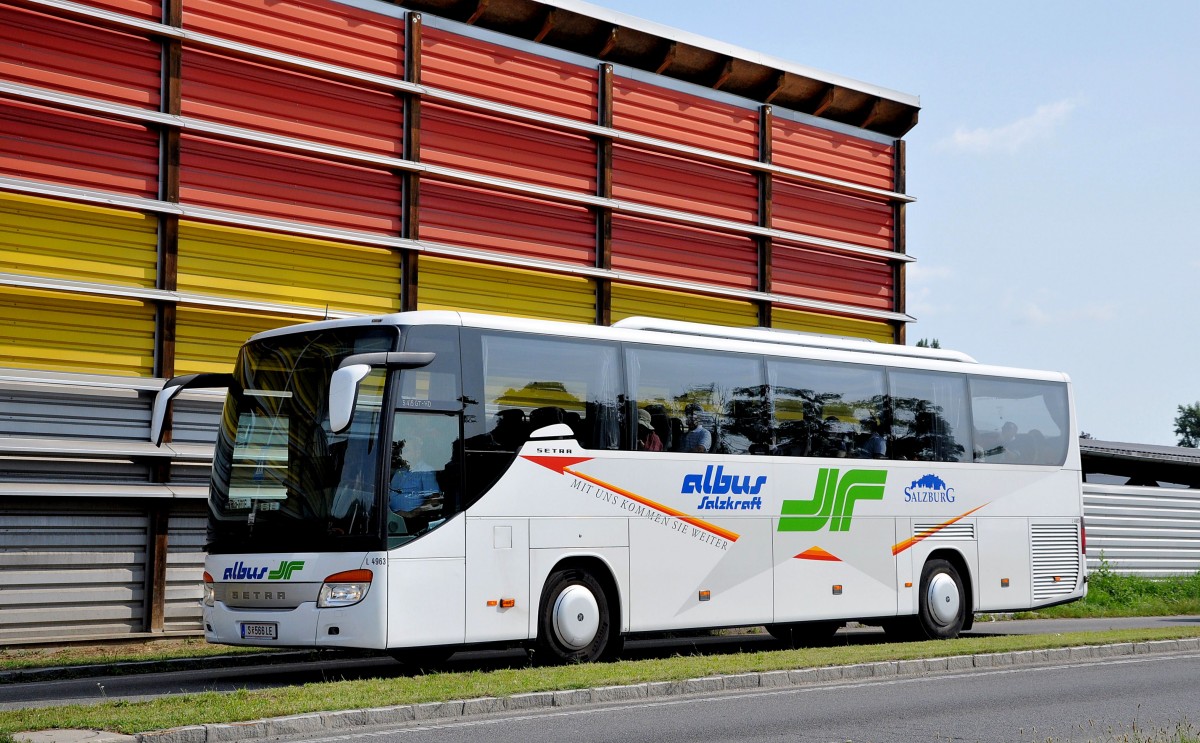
(575, 622)
(943, 609)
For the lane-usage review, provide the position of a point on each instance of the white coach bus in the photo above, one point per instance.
(423, 481)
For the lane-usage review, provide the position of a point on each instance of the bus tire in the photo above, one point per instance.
(943, 608)
(804, 634)
(574, 621)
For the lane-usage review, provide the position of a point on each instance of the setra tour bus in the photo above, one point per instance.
(424, 481)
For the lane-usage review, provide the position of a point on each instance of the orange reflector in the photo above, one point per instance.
(207, 578)
(908, 584)
(493, 602)
(507, 603)
(837, 590)
(1057, 579)
(350, 576)
(1004, 582)
(705, 595)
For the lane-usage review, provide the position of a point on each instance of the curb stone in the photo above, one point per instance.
(340, 721)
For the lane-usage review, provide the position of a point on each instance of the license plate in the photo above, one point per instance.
(260, 630)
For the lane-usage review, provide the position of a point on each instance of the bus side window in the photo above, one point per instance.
(824, 409)
(929, 416)
(1020, 421)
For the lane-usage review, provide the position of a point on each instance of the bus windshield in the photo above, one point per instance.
(281, 479)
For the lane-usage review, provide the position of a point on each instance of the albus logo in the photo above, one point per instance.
(929, 489)
(714, 481)
(239, 571)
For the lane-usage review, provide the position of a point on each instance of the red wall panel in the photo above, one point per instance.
(63, 147)
(685, 185)
(832, 154)
(242, 178)
(316, 29)
(800, 271)
(244, 93)
(834, 216)
(149, 10)
(493, 146)
(687, 119)
(506, 223)
(72, 57)
(496, 73)
(683, 252)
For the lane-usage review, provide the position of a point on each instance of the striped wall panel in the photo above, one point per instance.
(691, 120)
(509, 76)
(148, 10)
(812, 322)
(71, 574)
(254, 180)
(475, 287)
(315, 29)
(264, 267)
(683, 252)
(40, 237)
(249, 94)
(66, 332)
(860, 281)
(75, 149)
(492, 146)
(75, 57)
(832, 154)
(208, 340)
(629, 301)
(677, 183)
(506, 223)
(833, 216)
(185, 567)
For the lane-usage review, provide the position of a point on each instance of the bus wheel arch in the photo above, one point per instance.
(579, 614)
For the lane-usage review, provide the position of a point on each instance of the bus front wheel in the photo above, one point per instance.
(575, 622)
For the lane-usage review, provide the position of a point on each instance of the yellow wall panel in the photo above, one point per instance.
(476, 287)
(629, 300)
(57, 331)
(208, 340)
(811, 322)
(57, 239)
(266, 267)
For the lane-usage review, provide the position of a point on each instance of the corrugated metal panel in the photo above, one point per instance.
(687, 119)
(1056, 568)
(507, 223)
(71, 573)
(487, 144)
(243, 178)
(208, 340)
(476, 287)
(684, 252)
(65, 147)
(507, 76)
(265, 267)
(39, 237)
(832, 154)
(812, 273)
(74, 57)
(629, 300)
(685, 185)
(835, 216)
(67, 332)
(271, 99)
(185, 567)
(811, 322)
(149, 10)
(316, 29)
(1143, 531)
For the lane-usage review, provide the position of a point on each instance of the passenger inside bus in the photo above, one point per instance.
(698, 439)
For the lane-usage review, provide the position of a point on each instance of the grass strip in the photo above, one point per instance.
(213, 707)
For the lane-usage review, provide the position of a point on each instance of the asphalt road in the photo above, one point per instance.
(1122, 699)
(138, 686)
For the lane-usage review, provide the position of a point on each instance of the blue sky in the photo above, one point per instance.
(1054, 166)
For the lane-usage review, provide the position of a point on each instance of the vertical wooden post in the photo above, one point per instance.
(900, 291)
(411, 209)
(766, 198)
(604, 166)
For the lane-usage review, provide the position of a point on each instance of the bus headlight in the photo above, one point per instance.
(344, 589)
(208, 595)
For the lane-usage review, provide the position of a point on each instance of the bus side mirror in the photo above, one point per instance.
(173, 387)
(343, 385)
